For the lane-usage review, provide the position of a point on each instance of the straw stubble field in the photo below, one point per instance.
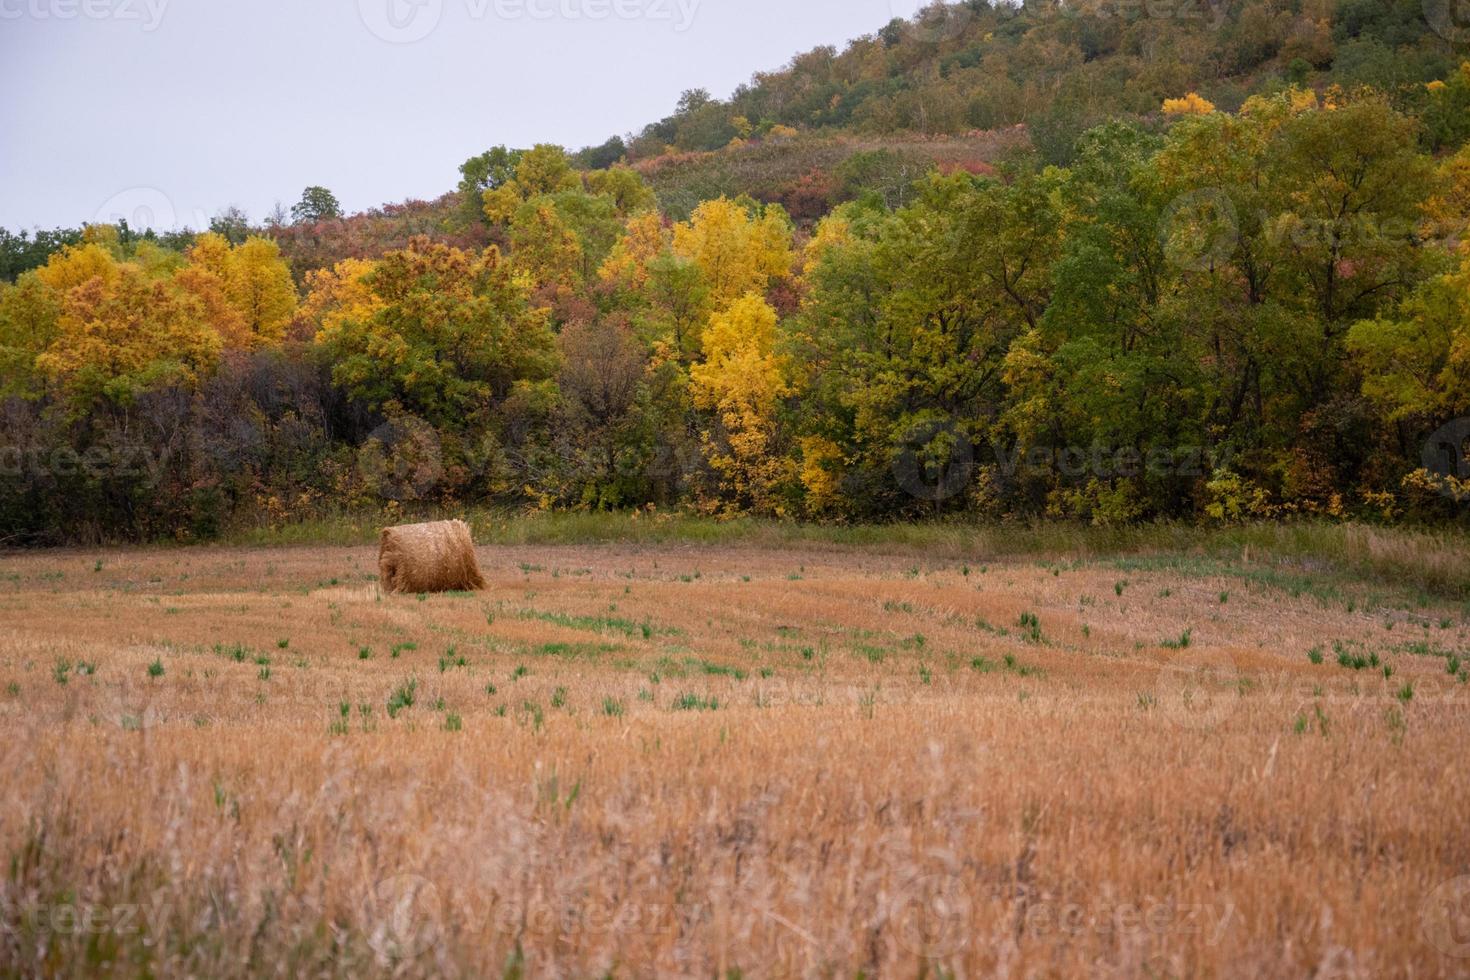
(662, 760)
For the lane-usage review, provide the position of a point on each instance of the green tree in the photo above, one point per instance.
(316, 204)
(485, 172)
(454, 338)
(29, 312)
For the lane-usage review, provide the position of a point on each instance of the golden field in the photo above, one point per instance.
(739, 759)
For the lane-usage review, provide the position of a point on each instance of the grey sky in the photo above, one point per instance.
(177, 108)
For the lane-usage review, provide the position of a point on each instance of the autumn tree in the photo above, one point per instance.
(643, 240)
(454, 337)
(1415, 358)
(606, 417)
(543, 247)
(117, 338)
(246, 290)
(340, 295)
(543, 169)
(739, 249)
(629, 192)
(742, 381)
(29, 311)
(484, 172)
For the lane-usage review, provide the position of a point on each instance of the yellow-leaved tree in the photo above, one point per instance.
(630, 194)
(260, 288)
(1192, 104)
(121, 335)
(206, 277)
(245, 290)
(740, 249)
(832, 232)
(644, 239)
(543, 169)
(77, 264)
(742, 380)
(339, 295)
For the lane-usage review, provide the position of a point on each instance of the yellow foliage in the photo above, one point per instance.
(780, 132)
(644, 239)
(630, 193)
(1426, 485)
(1192, 104)
(544, 248)
(1448, 209)
(738, 253)
(742, 380)
(543, 169)
(1416, 361)
(501, 202)
(340, 295)
(1234, 498)
(28, 314)
(821, 473)
(118, 338)
(260, 287)
(246, 291)
(833, 231)
(77, 264)
(1273, 110)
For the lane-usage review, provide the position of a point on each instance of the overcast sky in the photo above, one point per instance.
(177, 108)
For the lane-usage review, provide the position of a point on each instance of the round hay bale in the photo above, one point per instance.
(438, 557)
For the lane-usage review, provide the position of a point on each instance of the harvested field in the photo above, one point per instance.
(662, 759)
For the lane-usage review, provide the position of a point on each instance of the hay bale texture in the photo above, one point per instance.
(439, 557)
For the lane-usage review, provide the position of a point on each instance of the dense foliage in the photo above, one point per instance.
(1199, 314)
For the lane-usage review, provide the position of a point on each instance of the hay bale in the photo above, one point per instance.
(437, 557)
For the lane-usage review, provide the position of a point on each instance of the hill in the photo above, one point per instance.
(1060, 68)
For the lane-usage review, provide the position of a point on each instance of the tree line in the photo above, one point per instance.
(1218, 316)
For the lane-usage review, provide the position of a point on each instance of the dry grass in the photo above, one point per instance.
(786, 760)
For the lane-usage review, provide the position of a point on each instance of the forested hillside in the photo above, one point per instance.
(1107, 262)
